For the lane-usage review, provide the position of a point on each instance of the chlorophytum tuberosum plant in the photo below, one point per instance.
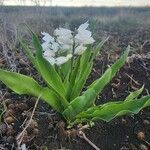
(65, 61)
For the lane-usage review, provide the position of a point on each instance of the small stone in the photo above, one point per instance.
(35, 131)
(141, 135)
(146, 122)
(10, 112)
(22, 106)
(27, 69)
(26, 139)
(11, 106)
(123, 121)
(17, 55)
(50, 126)
(133, 147)
(9, 120)
(32, 125)
(22, 62)
(143, 147)
(16, 107)
(7, 101)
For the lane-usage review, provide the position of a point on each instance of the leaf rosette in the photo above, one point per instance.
(65, 61)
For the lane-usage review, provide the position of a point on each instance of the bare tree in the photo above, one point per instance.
(36, 2)
(22, 2)
(1, 2)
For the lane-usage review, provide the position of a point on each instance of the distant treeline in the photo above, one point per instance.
(74, 10)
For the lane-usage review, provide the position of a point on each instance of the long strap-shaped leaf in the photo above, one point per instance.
(134, 94)
(79, 84)
(48, 72)
(28, 52)
(98, 47)
(111, 110)
(84, 101)
(86, 64)
(100, 83)
(84, 69)
(22, 84)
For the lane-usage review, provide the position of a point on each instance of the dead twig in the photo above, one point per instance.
(83, 136)
(21, 135)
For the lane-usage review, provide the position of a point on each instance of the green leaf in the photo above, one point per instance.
(87, 98)
(48, 72)
(66, 69)
(28, 53)
(84, 67)
(134, 94)
(22, 84)
(79, 84)
(72, 77)
(79, 104)
(100, 83)
(111, 110)
(98, 47)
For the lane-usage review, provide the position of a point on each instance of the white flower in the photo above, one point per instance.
(83, 26)
(80, 49)
(49, 42)
(64, 38)
(62, 32)
(46, 46)
(61, 60)
(49, 53)
(65, 41)
(50, 46)
(83, 36)
(47, 38)
(55, 46)
(51, 60)
(49, 56)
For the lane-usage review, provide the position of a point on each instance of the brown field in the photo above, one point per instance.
(124, 26)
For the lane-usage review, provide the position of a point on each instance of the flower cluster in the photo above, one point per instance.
(66, 43)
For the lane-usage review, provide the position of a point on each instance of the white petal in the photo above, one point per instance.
(61, 60)
(84, 37)
(49, 53)
(62, 31)
(80, 49)
(85, 33)
(50, 46)
(55, 46)
(45, 46)
(47, 38)
(51, 60)
(85, 41)
(89, 41)
(65, 39)
(66, 47)
(83, 26)
(23, 147)
(69, 56)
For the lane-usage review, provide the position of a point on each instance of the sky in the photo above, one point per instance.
(79, 2)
